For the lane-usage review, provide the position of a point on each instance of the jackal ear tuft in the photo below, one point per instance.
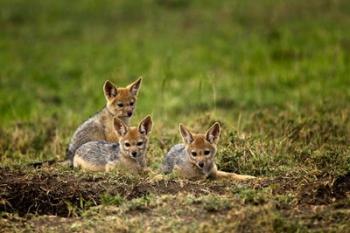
(145, 125)
(186, 134)
(135, 86)
(120, 127)
(213, 133)
(110, 90)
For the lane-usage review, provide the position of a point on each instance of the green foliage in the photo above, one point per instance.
(108, 199)
(211, 203)
(141, 204)
(252, 196)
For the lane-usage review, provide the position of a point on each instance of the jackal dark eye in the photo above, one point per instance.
(127, 144)
(194, 154)
(131, 103)
(207, 152)
(139, 143)
(120, 105)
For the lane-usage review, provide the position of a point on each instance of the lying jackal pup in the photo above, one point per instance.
(120, 103)
(195, 158)
(129, 153)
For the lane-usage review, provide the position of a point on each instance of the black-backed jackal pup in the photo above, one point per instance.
(195, 158)
(129, 154)
(120, 103)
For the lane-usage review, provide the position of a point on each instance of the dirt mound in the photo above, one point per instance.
(341, 186)
(321, 191)
(44, 192)
(326, 192)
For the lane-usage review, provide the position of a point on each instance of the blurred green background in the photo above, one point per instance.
(194, 55)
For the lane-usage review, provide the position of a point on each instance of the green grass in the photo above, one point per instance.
(274, 73)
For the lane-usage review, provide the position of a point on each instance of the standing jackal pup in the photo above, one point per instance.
(195, 158)
(120, 103)
(129, 153)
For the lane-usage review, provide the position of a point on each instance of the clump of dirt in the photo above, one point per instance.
(42, 193)
(326, 192)
(280, 185)
(341, 186)
(49, 192)
(321, 191)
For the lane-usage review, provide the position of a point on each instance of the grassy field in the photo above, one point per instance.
(274, 73)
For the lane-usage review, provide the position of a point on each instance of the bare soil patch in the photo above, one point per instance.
(326, 191)
(50, 192)
(47, 192)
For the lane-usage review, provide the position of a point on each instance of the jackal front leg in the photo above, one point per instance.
(232, 176)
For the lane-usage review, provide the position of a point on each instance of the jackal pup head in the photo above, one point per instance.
(133, 140)
(201, 148)
(121, 101)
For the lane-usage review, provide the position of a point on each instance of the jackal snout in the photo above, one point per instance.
(134, 148)
(201, 153)
(203, 162)
(121, 101)
(201, 148)
(133, 140)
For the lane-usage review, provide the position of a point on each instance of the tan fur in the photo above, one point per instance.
(132, 137)
(189, 171)
(120, 103)
(228, 175)
(131, 140)
(201, 150)
(107, 121)
(123, 96)
(131, 165)
(78, 162)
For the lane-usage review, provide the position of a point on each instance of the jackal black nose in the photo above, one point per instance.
(134, 153)
(129, 114)
(201, 164)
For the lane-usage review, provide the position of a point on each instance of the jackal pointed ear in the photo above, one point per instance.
(145, 125)
(186, 134)
(110, 90)
(213, 133)
(135, 86)
(120, 127)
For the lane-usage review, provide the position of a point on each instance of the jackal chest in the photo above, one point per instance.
(188, 171)
(130, 165)
(110, 133)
